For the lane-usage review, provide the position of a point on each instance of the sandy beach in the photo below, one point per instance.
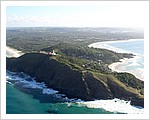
(120, 66)
(11, 52)
(104, 45)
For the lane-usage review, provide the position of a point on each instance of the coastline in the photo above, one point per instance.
(11, 52)
(120, 66)
(113, 106)
(117, 104)
(104, 45)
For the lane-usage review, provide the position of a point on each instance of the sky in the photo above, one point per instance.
(102, 15)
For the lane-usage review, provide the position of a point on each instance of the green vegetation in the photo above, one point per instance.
(29, 39)
(81, 64)
(74, 63)
(67, 75)
(120, 82)
(96, 61)
(70, 44)
(103, 73)
(130, 80)
(83, 52)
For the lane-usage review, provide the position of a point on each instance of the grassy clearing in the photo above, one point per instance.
(105, 77)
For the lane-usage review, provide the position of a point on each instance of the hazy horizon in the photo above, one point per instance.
(122, 14)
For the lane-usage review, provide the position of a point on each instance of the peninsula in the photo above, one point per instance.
(86, 75)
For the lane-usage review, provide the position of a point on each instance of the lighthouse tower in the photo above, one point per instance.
(53, 53)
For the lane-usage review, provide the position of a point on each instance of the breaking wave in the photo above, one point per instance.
(114, 105)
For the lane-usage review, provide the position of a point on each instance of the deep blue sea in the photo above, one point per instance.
(26, 96)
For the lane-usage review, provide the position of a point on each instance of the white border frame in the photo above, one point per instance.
(70, 116)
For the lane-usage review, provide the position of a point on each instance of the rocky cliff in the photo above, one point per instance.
(74, 83)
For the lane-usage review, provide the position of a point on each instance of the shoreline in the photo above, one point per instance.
(120, 66)
(114, 105)
(104, 45)
(11, 52)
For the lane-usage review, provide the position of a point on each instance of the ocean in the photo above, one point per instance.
(135, 46)
(26, 96)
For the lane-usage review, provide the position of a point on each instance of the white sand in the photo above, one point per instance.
(120, 66)
(11, 52)
(104, 45)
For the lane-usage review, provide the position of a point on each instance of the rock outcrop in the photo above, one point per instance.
(73, 83)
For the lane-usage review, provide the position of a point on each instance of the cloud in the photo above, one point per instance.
(14, 18)
(26, 20)
(106, 16)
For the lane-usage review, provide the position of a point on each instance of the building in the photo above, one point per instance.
(48, 53)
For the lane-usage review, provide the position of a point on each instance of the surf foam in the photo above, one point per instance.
(126, 65)
(114, 105)
(28, 82)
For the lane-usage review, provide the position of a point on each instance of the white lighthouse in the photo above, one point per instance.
(53, 53)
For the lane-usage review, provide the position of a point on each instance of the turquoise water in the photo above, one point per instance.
(133, 46)
(25, 96)
(136, 47)
(22, 98)
(18, 102)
